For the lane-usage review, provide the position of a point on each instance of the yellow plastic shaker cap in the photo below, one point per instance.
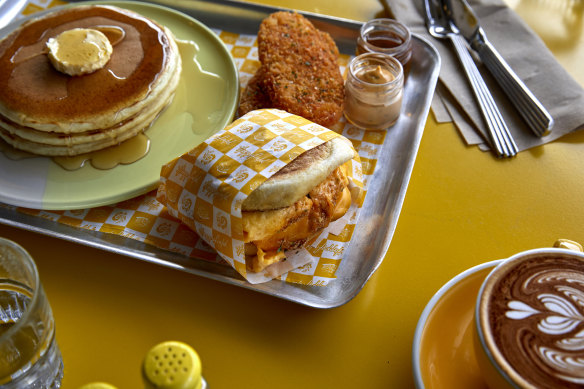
(98, 385)
(172, 365)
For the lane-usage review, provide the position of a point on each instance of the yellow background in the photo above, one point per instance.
(463, 207)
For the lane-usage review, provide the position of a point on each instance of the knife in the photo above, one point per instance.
(533, 112)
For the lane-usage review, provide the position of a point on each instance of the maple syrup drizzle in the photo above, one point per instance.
(125, 153)
(193, 74)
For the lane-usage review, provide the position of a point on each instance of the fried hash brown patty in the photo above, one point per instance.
(299, 71)
(253, 96)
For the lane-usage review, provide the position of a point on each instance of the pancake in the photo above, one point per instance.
(46, 112)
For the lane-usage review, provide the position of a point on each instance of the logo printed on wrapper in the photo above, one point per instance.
(186, 204)
(260, 136)
(203, 213)
(77, 212)
(314, 129)
(142, 221)
(368, 149)
(242, 151)
(179, 249)
(181, 173)
(274, 169)
(306, 267)
(253, 186)
(375, 137)
(89, 226)
(207, 157)
(208, 189)
(335, 249)
(152, 205)
(329, 268)
(354, 132)
(345, 235)
(223, 167)
(120, 217)
(241, 177)
(225, 141)
(164, 229)
(366, 166)
(278, 146)
(259, 158)
(311, 143)
(205, 235)
(245, 129)
(280, 127)
(221, 242)
(358, 173)
(292, 156)
(221, 221)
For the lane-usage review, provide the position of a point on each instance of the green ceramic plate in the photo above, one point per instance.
(205, 103)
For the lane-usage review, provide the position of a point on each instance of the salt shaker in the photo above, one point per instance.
(172, 365)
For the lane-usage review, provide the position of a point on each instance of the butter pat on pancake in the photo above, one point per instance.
(79, 51)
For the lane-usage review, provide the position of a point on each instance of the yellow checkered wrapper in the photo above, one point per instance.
(206, 187)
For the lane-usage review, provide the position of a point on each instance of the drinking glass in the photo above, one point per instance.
(29, 355)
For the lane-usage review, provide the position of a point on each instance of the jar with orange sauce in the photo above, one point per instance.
(373, 91)
(386, 36)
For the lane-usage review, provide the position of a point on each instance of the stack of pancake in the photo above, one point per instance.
(46, 112)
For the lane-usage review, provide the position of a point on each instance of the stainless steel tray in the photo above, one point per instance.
(386, 191)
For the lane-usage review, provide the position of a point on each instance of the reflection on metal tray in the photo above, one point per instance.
(385, 194)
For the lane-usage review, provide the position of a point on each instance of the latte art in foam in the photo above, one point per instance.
(562, 316)
(536, 320)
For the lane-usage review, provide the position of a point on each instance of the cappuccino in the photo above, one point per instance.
(530, 319)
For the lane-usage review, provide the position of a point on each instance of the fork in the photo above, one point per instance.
(440, 27)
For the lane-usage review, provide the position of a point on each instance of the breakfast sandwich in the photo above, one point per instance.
(265, 191)
(299, 72)
(84, 78)
(296, 203)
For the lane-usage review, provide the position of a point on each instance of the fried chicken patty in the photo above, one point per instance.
(299, 72)
(289, 228)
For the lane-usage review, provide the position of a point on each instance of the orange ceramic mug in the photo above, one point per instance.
(529, 321)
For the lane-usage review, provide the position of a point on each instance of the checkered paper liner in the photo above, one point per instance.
(206, 187)
(145, 219)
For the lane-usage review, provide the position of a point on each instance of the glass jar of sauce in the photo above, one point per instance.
(373, 91)
(386, 36)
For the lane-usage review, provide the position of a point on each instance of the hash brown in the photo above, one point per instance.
(299, 72)
(254, 96)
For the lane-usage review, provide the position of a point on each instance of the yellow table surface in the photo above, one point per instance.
(462, 207)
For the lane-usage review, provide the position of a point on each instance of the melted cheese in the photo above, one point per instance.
(271, 245)
(265, 259)
(297, 230)
(343, 205)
